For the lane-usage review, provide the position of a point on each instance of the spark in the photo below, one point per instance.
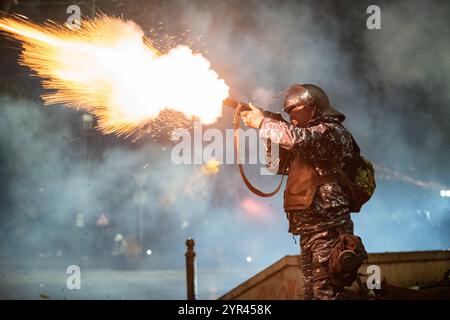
(388, 174)
(211, 167)
(111, 70)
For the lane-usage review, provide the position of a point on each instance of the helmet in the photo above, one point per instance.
(310, 95)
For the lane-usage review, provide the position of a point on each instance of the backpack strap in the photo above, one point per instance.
(355, 145)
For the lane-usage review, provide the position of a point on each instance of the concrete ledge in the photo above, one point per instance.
(411, 256)
(282, 280)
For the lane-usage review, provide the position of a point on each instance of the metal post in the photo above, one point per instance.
(191, 280)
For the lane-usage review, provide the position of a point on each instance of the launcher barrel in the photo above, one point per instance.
(232, 103)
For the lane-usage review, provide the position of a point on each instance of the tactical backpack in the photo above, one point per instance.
(358, 175)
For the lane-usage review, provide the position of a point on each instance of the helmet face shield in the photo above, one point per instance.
(312, 96)
(297, 96)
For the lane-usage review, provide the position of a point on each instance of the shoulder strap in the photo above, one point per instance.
(355, 145)
(237, 125)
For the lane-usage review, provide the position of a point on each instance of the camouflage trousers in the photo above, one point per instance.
(315, 253)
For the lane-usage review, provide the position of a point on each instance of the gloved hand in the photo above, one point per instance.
(253, 118)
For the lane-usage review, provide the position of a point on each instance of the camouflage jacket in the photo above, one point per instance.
(326, 143)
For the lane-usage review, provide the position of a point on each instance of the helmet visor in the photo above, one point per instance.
(297, 96)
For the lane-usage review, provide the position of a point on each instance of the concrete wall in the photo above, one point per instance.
(282, 280)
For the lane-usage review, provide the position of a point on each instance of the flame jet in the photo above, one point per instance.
(108, 68)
